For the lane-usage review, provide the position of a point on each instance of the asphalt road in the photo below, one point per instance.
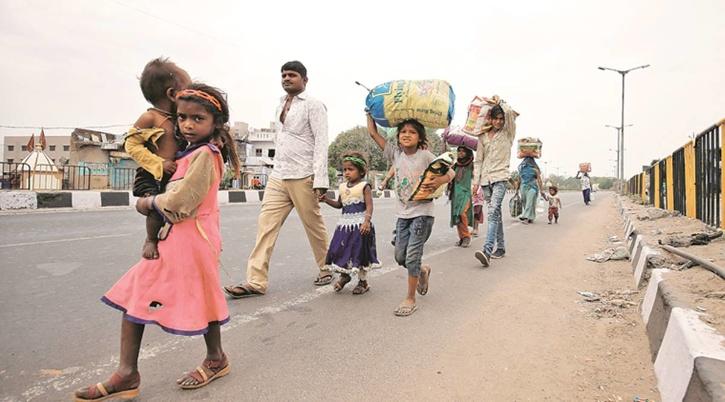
(298, 342)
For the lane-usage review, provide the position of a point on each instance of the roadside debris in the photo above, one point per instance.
(695, 239)
(617, 253)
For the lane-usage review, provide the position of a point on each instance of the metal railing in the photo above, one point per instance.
(121, 178)
(689, 181)
(678, 179)
(663, 183)
(707, 175)
(13, 176)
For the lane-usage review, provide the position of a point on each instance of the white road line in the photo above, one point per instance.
(64, 240)
(75, 376)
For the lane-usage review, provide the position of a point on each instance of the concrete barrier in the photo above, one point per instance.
(28, 200)
(688, 354)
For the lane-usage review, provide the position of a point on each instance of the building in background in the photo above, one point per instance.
(15, 148)
(256, 152)
(103, 155)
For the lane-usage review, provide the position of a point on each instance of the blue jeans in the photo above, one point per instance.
(587, 196)
(494, 194)
(529, 197)
(410, 237)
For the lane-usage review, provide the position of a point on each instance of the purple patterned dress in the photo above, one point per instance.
(350, 252)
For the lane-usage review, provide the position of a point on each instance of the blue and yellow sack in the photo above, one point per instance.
(431, 102)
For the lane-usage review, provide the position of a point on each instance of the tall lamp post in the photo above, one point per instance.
(618, 147)
(621, 125)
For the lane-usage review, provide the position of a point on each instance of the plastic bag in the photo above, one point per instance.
(478, 110)
(438, 167)
(515, 205)
(431, 102)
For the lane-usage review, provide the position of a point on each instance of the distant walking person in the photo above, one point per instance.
(586, 186)
(531, 186)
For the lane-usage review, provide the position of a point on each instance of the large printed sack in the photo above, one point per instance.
(438, 167)
(529, 146)
(478, 113)
(431, 102)
(457, 137)
(585, 167)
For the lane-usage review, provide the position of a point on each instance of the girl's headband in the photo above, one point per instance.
(355, 160)
(200, 94)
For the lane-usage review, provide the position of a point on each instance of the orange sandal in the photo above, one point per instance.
(209, 371)
(109, 390)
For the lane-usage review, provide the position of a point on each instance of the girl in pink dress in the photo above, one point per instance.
(179, 291)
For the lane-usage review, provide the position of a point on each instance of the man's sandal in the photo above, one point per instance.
(323, 280)
(241, 291)
(110, 390)
(205, 373)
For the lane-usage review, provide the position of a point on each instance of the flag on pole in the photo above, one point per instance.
(43, 141)
(31, 143)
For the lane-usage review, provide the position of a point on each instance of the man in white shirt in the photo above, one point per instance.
(298, 178)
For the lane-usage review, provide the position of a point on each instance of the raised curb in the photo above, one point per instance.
(688, 354)
(25, 200)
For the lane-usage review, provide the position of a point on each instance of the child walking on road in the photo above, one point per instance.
(352, 249)
(415, 218)
(179, 291)
(151, 141)
(459, 191)
(554, 204)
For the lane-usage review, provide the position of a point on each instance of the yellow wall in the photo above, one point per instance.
(670, 184)
(690, 180)
(656, 195)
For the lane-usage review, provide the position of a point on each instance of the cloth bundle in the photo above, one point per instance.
(529, 146)
(438, 167)
(457, 137)
(585, 167)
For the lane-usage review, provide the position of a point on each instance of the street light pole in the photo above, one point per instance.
(621, 130)
(619, 149)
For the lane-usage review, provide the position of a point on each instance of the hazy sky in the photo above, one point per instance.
(76, 63)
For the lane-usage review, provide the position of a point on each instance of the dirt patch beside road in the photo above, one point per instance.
(698, 288)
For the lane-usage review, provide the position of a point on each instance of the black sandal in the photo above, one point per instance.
(324, 280)
(241, 291)
(362, 287)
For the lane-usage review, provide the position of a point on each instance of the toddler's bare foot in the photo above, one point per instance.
(150, 250)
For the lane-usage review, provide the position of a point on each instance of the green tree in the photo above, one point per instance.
(355, 139)
(358, 139)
